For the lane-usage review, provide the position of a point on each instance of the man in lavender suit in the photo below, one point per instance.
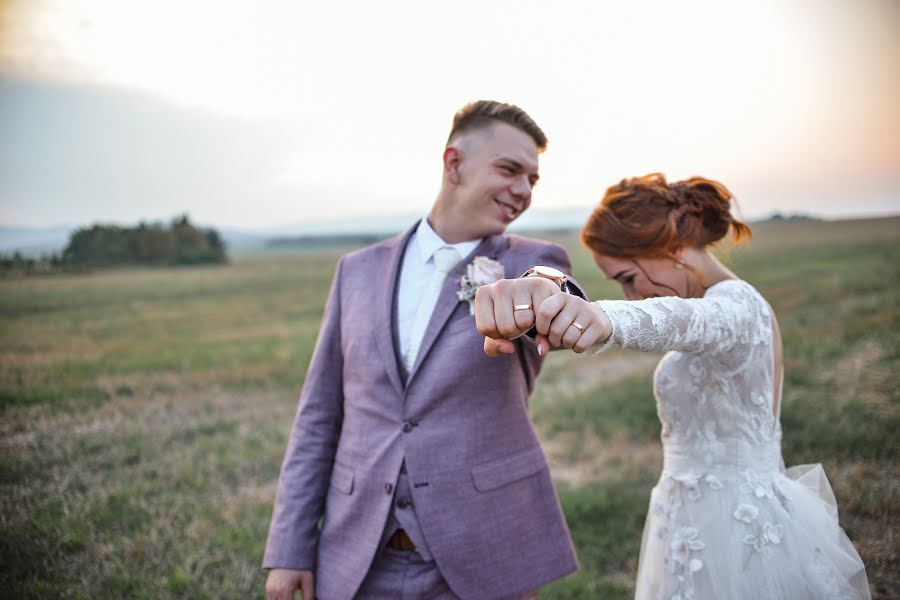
(413, 470)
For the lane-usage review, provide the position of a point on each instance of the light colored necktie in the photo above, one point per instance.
(444, 260)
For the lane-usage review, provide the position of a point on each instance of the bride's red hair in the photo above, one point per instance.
(649, 217)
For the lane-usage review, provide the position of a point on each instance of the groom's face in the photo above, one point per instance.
(498, 167)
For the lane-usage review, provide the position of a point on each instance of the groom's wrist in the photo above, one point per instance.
(556, 276)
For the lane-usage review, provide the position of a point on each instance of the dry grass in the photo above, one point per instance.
(582, 460)
(133, 483)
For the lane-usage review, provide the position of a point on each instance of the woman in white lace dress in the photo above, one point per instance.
(726, 521)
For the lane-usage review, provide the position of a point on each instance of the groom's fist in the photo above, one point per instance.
(495, 347)
(505, 309)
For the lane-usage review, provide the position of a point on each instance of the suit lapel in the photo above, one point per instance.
(448, 301)
(385, 327)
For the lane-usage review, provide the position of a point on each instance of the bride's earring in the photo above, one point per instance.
(679, 264)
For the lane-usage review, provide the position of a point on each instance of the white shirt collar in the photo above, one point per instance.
(430, 242)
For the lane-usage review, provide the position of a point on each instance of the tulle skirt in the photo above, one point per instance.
(732, 534)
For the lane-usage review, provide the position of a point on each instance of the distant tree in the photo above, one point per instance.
(110, 245)
(179, 244)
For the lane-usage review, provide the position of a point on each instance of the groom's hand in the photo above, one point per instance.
(282, 583)
(505, 310)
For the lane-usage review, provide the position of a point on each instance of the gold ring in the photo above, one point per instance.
(521, 307)
(578, 326)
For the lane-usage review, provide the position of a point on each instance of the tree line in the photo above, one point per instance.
(97, 246)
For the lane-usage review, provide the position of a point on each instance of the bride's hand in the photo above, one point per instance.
(571, 322)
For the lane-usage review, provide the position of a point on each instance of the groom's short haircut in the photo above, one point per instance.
(484, 113)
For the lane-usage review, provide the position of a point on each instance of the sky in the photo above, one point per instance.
(270, 114)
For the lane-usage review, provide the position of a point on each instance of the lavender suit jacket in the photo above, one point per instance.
(481, 488)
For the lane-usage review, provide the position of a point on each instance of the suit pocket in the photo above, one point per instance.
(342, 478)
(500, 472)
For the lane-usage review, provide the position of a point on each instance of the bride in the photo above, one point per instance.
(726, 521)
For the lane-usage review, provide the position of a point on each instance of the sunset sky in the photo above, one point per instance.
(263, 113)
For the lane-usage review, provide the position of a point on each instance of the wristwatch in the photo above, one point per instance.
(556, 276)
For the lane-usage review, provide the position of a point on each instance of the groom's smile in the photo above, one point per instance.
(508, 211)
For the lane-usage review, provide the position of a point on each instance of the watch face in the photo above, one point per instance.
(549, 272)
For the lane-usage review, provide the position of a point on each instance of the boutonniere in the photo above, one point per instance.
(481, 271)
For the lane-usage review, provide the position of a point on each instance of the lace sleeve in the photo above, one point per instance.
(716, 323)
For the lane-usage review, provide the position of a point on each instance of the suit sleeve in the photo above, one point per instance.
(307, 465)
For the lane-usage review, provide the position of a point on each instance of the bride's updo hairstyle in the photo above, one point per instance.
(649, 217)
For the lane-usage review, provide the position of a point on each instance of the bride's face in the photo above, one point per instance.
(645, 277)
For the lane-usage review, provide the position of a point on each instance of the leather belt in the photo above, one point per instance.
(400, 541)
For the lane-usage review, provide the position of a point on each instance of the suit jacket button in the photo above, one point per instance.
(402, 504)
(388, 488)
(407, 426)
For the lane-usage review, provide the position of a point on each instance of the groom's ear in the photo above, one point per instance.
(452, 159)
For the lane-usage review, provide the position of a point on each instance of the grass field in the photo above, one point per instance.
(145, 413)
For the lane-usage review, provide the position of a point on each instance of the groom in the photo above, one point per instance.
(413, 470)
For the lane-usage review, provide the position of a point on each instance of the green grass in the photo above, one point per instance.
(606, 551)
(145, 413)
(628, 406)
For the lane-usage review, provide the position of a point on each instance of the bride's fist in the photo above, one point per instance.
(572, 322)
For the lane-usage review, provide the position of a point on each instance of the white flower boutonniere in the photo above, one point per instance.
(481, 271)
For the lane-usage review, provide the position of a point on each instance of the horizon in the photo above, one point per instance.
(34, 242)
(404, 220)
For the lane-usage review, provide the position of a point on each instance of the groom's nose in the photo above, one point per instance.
(522, 187)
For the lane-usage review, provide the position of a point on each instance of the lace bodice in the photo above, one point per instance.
(714, 388)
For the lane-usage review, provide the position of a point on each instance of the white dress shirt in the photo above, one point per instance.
(418, 267)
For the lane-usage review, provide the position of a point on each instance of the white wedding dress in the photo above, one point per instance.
(726, 520)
